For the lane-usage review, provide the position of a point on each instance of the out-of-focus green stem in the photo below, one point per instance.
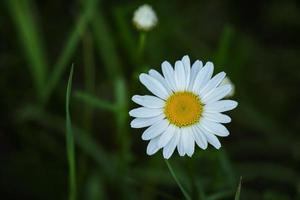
(142, 41)
(23, 16)
(184, 192)
(106, 47)
(224, 46)
(226, 165)
(122, 115)
(86, 143)
(89, 75)
(69, 48)
(124, 30)
(70, 143)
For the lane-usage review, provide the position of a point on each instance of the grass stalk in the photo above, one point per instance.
(23, 16)
(89, 76)
(70, 143)
(184, 192)
(238, 191)
(106, 47)
(69, 48)
(225, 43)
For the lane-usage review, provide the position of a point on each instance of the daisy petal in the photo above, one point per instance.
(221, 106)
(170, 147)
(180, 146)
(187, 68)
(148, 101)
(217, 94)
(213, 140)
(215, 128)
(194, 71)
(155, 130)
(212, 84)
(152, 147)
(180, 76)
(143, 112)
(154, 86)
(168, 73)
(189, 143)
(167, 136)
(199, 137)
(155, 74)
(217, 117)
(145, 122)
(203, 77)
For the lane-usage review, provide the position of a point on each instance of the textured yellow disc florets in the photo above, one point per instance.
(183, 109)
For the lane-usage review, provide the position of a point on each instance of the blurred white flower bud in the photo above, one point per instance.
(225, 81)
(144, 18)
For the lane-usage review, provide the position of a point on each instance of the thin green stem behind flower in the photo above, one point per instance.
(185, 193)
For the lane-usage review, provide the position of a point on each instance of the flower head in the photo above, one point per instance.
(145, 18)
(186, 108)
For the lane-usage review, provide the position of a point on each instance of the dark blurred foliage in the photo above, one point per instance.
(257, 44)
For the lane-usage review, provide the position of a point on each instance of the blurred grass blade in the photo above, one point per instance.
(89, 77)
(224, 45)
(227, 168)
(95, 102)
(122, 137)
(70, 142)
(226, 194)
(70, 47)
(22, 13)
(89, 62)
(238, 191)
(106, 46)
(124, 30)
(95, 189)
(84, 141)
(185, 193)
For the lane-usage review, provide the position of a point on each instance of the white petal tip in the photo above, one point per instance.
(235, 104)
(167, 156)
(142, 76)
(130, 113)
(132, 125)
(185, 57)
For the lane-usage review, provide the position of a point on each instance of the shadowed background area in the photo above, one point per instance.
(256, 43)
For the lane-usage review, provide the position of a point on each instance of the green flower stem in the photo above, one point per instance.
(185, 193)
(142, 41)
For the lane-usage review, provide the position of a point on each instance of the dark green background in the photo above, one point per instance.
(255, 42)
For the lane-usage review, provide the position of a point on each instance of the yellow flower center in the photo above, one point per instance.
(183, 109)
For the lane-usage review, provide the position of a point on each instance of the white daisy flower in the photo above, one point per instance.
(186, 108)
(225, 81)
(145, 18)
